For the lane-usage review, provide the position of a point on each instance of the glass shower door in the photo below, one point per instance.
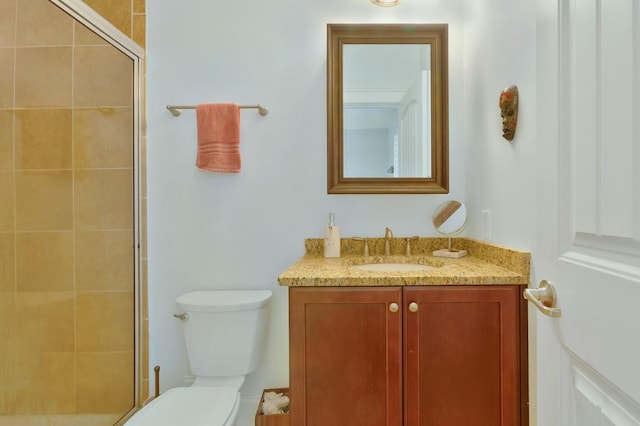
(67, 221)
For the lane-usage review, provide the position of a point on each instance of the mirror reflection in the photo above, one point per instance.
(387, 108)
(450, 217)
(386, 127)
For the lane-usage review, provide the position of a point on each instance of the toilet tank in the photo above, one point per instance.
(225, 331)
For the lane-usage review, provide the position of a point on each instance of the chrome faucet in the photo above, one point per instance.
(388, 235)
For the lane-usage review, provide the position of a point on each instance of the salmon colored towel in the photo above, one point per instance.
(218, 137)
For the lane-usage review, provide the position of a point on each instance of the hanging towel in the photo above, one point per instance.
(218, 137)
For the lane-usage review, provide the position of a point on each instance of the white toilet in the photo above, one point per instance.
(225, 332)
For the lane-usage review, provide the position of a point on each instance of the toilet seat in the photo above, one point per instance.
(193, 406)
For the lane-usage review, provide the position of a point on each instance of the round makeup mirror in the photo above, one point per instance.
(450, 219)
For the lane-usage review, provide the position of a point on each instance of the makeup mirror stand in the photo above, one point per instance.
(450, 219)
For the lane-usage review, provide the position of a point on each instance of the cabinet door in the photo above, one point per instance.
(345, 356)
(462, 356)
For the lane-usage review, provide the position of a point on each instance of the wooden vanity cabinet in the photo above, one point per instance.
(462, 356)
(345, 356)
(448, 356)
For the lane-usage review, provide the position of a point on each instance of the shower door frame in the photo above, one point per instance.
(99, 25)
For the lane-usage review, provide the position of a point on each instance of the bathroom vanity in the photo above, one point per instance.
(442, 345)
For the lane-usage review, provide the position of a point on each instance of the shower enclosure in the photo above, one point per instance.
(69, 216)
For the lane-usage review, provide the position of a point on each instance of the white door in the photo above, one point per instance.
(410, 147)
(586, 367)
(414, 125)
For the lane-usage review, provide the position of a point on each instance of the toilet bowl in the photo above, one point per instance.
(192, 406)
(225, 333)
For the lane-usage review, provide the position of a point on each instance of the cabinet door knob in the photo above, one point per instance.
(413, 307)
(393, 307)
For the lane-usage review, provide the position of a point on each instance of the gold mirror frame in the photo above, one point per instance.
(434, 35)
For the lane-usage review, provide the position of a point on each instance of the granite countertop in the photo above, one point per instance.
(485, 264)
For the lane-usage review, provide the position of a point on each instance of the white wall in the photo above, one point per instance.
(499, 51)
(216, 231)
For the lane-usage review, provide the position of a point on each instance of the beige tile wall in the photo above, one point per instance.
(66, 223)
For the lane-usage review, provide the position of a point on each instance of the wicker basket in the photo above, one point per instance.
(272, 419)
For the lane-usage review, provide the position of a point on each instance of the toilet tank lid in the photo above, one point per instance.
(223, 300)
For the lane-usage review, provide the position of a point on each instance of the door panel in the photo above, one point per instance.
(596, 401)
(589, 211)
(462, 360)
(346, 364)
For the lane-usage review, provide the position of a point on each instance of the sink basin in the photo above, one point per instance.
(392, 267)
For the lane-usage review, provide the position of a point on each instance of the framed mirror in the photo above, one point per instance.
(387, 109)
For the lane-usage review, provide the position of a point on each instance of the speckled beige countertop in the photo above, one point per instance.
(485, 264)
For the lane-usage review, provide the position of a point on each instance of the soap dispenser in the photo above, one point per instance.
(332, 238)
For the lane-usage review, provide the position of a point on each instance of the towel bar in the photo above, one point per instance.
(176, 110)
